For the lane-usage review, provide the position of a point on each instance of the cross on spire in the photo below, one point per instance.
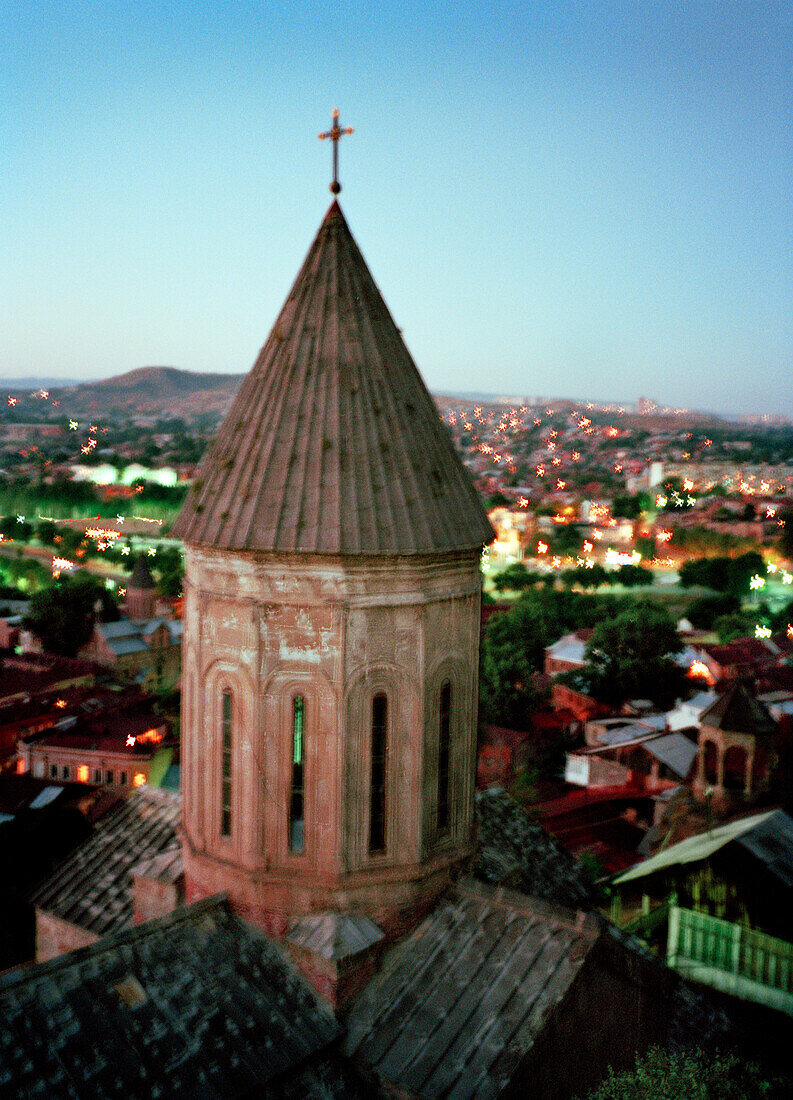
(334, 133)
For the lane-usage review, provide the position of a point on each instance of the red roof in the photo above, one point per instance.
(333, 444)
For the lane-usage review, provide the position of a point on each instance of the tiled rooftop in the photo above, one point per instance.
(93, 888)
(194, 1005)
(515, 851)
(459, 1002)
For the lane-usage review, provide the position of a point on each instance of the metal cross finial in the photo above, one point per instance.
(334, 133)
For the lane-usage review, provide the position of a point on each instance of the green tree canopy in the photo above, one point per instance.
(515, 578)
(513, 648)
(63, 614)
(703, 612)
(786, 536)
(630, 656)
(690, 1075)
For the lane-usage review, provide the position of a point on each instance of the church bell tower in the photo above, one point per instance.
(332, 609)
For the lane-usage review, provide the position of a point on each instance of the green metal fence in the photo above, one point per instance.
(727, 956)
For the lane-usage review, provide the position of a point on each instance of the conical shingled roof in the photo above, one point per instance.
(738, 711)
(333, 444)
(141, 575)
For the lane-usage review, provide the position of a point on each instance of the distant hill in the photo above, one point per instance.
(161, 382)
(151, 391)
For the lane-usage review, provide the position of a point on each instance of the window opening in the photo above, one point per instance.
(444, 739)
(225, 767)
(377, 837)
(297, 799)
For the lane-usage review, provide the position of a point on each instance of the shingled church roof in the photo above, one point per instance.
(333, 444)
(738, 711)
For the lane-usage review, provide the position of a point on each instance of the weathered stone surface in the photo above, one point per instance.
(337, 632)
(513, 850)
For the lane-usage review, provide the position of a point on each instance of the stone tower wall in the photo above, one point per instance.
(336, 631)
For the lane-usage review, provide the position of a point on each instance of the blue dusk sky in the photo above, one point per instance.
(585, 199)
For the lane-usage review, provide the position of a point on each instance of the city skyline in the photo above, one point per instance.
(585, 200)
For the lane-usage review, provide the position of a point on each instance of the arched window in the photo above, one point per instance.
(377, 836)
(225, 764)
(444, 738)
(297, 799)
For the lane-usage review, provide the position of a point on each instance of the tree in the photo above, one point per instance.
(630, 656)
(46, 531)
(634, 576)
(515, 578)
(63, 615)
(737, 624)
(742, 570)
(703, 612)
(694, 1074)
(786, 537)
(513, 648)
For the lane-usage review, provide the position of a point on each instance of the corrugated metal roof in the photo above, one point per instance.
(696, 848)
(335, 935)
(675, 750)
(333, 444)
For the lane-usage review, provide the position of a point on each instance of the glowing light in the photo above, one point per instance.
(757, 582)
(12, 401)
(587, 547)
(560, 484)
(20, 519)
(770, 513)
(151, 552)
(73, 425)
(82, 773)
(762, 631)
(540, 471)
(62, 565)
(542, 547)
(612, 432)
(660, 501)
(556, 563)
(617, 557)
(104, 533)
(125, 549)
(138, 779)
(60, 703)
(699, 669)
(576, 456)
(152, 736)
(688, 484)
(787, 578)
(523, 502)
(771, 567)
(664, 536)
(122, 591)
(130, 741)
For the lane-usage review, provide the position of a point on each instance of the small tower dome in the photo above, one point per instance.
(141, 590)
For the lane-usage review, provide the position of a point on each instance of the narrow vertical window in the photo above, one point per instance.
(297, 794)
(444, 732)
(225, 792)
(379, 747)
